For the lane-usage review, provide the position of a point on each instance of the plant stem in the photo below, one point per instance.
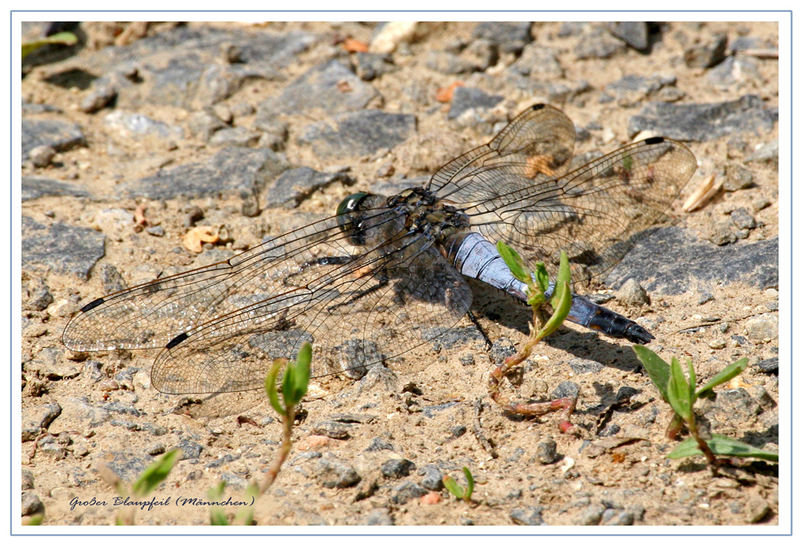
(701, 443)
(283, 450)
(527, 409)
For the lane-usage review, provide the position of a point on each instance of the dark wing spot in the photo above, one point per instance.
(177, 340)
(92, 305)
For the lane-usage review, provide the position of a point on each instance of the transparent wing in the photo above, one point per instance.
(151, 314)
(373, 308)
(222, 325)
(541, 139)
(592, 212)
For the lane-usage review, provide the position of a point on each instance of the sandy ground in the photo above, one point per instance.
(428, 415)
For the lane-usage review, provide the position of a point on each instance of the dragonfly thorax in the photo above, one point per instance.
(414, 211)
(426, 214)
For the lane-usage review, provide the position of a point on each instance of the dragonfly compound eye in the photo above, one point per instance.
(346, 207)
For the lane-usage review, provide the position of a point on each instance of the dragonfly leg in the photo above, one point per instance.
(478, 326)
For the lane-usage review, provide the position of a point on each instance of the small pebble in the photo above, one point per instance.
(768, 366)
(332, 429)
(396, 468)
(737, 178)
(631, 293)
(379, 444)
(156, 449)
(431, 498)
(742, 219)
(565, 389)
(380, 517)
(157, 231)
(332, 473)
(591, 516)
(432, 477)
(532, 516)
(546, 451)
(762, 328)
(31, 504)
(757, 508)
(704, 297)
(406, 491)
(193, 214)
(41, 156)
(717, 343)
(27, 479)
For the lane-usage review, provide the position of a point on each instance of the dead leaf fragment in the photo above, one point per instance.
(194, 238)
(445, 94)
(702, 194)
(392, 34)
(351, 45)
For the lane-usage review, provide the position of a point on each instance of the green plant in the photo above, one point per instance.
(148, 481)
(63, 38)
(155, 474)
(293, 389)
(456, 489)
(560, 301)
(35, 519)
(681, 393)
(243, 516)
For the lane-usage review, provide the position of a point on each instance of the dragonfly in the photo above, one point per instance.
(386, 274)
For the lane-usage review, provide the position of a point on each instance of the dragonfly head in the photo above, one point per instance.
(349, 205)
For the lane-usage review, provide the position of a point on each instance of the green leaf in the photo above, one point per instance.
(217, 517)
(269, 386)
(721, 446)
(215, 492)
(301, 372)
(245, 514)
(35, 519)
(453, 487)
(561, 299)
(156, 473)
(537, 300)
(470, 484)
(727, 374)
(288, 384)
(64, 38)
(514, 262)
(692, 381)
(656, 368)
(563, 271)
(678, 394)
(542, 279)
